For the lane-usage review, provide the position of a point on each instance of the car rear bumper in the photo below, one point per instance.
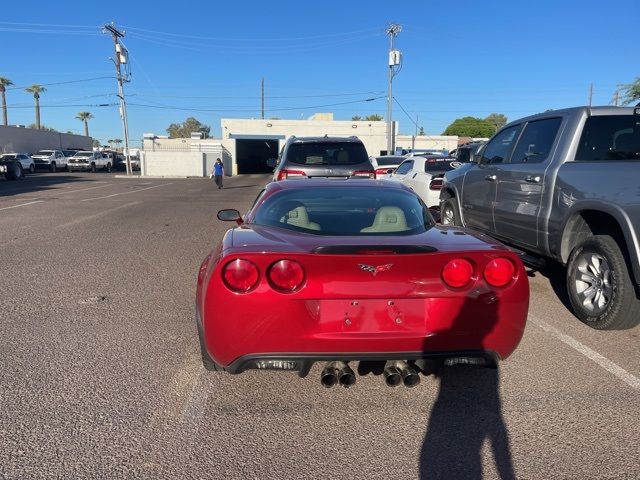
(302, 362)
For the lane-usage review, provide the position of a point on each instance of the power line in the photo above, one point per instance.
(61, 83)
(405, 112)
(257, 39)
(270, 97)
(227, 109)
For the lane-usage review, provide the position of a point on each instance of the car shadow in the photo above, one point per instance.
(468, 410)
(36, 183)
(556, 274)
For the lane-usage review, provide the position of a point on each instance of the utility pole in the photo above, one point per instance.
(590, 93)
(121, 58)
(413, 140)
(262, 96)
(394, 61)
(616, 98)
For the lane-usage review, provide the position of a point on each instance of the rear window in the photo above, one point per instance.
(441, 165)
(610, 137)
(385, 161)
(327, 153)
(345, 211)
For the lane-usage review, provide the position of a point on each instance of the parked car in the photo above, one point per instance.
(50, 159)
(467, 152)
(385, 165)
(358, 271)
(89, 161)
(563, 185)
(424, 175)
(325, 157)
(26, 162)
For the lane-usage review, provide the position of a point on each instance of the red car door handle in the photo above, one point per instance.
(491, 178)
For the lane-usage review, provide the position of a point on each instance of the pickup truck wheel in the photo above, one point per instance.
(449, 213)
(600, 287)
(93, 167)
(108, 167)
(53, 167)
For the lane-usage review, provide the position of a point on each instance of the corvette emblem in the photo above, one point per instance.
(374, 270)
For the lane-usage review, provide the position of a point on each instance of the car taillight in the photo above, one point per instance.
(383, 171)
(284, 174)
(364, 174)
(499, 272)
(240, 275)
(286, 275)
(457, 273)
(435, 184)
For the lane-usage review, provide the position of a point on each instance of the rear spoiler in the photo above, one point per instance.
(373, 249)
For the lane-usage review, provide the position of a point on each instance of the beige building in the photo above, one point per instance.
(247, 144)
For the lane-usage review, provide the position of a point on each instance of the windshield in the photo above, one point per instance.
(7, 157)
(346, 211)
(46, 153)
(327, 153)
(83, 154)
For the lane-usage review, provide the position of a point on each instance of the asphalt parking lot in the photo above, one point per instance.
(100, 374)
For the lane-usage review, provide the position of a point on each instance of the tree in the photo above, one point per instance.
(96, 143)
(374, 117)
(116, 141)
(421, 131)
(498, 120)
(186, 128)
(470, 127)
(36, 90)
(84, 117)
(4, 83)
(630, 91)
(44, 128)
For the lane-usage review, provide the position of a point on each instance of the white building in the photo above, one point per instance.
(247, 144)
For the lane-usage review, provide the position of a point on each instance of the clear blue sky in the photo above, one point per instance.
(460, 58)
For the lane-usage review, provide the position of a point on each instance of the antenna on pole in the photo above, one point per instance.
(121, 58)
(262, 96)
(395, 63)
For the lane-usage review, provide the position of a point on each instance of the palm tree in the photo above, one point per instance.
(117, 141)
(4, 83)
(36, 90)
(85, 117)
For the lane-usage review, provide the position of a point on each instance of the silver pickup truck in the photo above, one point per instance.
(563, 185)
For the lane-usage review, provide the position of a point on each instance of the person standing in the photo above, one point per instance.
(218, 172)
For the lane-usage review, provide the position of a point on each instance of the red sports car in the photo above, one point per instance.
(342, 271)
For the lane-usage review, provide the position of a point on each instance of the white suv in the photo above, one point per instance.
(90, 161)
(27, 163)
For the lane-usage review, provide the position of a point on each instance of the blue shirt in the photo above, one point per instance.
(218, 169)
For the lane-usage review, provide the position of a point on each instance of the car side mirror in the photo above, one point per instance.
(230, 215)
(271, 163)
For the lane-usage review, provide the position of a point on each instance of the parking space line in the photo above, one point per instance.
(82, 189)
(592, 355)
(22, 205)
(125, 193)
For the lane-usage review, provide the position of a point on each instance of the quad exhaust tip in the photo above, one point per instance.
(337, 372)
(399, 372)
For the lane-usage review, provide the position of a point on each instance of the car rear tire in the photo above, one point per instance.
(32, 168)
(53, 167)
(207, 361)
(93, 168)
(449, 213)
(600, 287)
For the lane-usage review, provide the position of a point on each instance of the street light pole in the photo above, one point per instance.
(394, 60)
(121, 57)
